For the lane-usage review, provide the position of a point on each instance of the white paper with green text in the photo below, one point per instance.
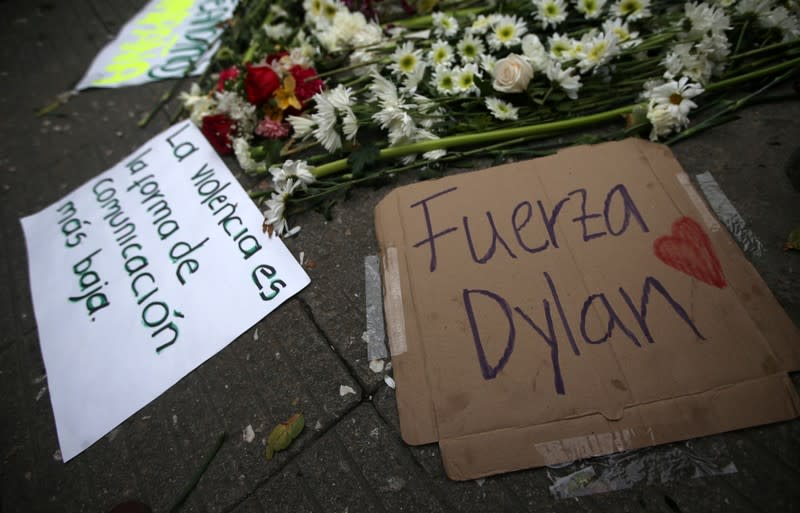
(142, 274)
(165, 39)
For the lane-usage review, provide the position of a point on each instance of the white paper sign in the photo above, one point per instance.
(166, 39)
(142, 274)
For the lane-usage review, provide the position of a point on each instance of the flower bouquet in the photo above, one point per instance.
(310, 97)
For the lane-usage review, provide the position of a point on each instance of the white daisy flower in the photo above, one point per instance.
(780, 19)
(661, 120)
(444, 80)
(598, 51)
(275, 215)
(197, 103)
(278, 31)
(325, 118)
(560, 47)
(590, 9)
(506, 32)
(480, 25)
(488, 62)
(405, 59)
(550, 13)
(302, 125)
(567, 79)
(440, 53)
(631, 10)
(465, 79)
(297, 170)
(241, 148)
(619, 28)
(501, 109)
(444, 25)
(470, 49)
(703, 18)
(676, 96)
(753, 7)
(340, 97)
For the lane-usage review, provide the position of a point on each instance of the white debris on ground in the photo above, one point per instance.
(376, 366)
(255, 334)
(248, 435)
(57, 455)
(344, 390)
(41, 392)
(389, 381)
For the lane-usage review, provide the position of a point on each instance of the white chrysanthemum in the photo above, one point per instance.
(480, 25)
(238, 109)
(344, 28)
(275, 215)
(444, 25)
(534, 51)
(598, 51)
(567, 79)
(302, 125)
(578, 47)
(406, 59)
(465, 79)
(683, 60)
(297, 170)
(622, 32)
(444, 80)
(325, 119)
(501, 109)
(591, 9)
(560, 47)
(550, 13)
(341, 97)
(506, 32)
(669, 105)
(631, 10)
(702, 19)
(440, 53)
(350, 126)
(241, 148)
(370, 34)
(488, 62)
(753, 7)
(197, 103)
(470, 49)
(782, 20)
(278, 31)
(676, 96)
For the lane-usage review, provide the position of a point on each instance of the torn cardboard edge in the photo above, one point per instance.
(469, 455)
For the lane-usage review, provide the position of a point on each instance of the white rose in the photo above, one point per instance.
(512, 74)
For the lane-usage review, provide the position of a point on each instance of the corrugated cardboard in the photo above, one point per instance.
(573, 306)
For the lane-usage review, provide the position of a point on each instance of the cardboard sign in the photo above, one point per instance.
(166, 39)
(573, 306)
(142, 274)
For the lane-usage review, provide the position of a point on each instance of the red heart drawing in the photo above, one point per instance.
(688, 249)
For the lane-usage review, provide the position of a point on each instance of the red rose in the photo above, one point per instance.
(217, 128)
(305, 89)
(276, 56)
(225, 75)
(260, 83)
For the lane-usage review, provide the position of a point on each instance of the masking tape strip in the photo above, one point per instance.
(393, 303)
(699, 204)
(375, 335)
(728, 214)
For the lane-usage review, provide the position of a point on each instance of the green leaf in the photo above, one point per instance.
(284, 433)
(269, 152)
(793, 241)
(362, 159)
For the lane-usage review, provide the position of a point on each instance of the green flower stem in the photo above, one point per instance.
(768, 48)
(753, 74)
(347, 68)
(481, 138)
(421, 22)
